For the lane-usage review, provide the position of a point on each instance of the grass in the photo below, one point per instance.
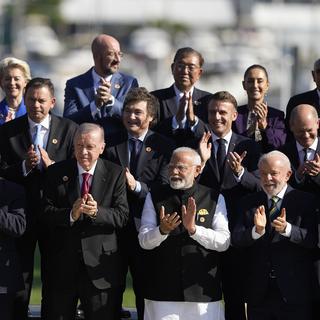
(128, 297)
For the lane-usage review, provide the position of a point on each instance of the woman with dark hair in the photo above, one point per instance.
(256, 119)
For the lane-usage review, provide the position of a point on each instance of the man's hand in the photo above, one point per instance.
(45, 158)
(260, 219)
(205, 147)
(103, 94)
(32, 159)
(191, 118)
(76, 209)
(131, 181)
(189, 215)
(235, 162)
(168, 222)
(280, 223)
(312, 167)
(89, 206)
(261, 110)
(181, 112)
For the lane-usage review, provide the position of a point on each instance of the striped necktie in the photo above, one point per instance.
(273, 210)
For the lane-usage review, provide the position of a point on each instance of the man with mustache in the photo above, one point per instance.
(99, 93)
(183, 227)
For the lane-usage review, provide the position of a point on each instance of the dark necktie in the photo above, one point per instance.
(85, 184)
(221, 155)
(273, 210)
(305, 157)
(135, 148)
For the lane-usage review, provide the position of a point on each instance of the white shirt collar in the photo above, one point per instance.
(96, 78)
(312, 147)
(44, 123)
(91, 171)
(141, 138)
(227, 137)
(179, 94)
(281, 194)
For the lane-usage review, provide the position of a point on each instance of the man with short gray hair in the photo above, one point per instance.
(183, 227)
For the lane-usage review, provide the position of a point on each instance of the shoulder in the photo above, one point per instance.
(163, 93)
(64, 122)
(16, 125)
(159, 142)
(80, 78)
(124, 76)
(303, 95)
(274, 112)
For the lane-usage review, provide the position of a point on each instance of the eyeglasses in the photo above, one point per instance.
(112, 54)
(180, 167)
(190, 67)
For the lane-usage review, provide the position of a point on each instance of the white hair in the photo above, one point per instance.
(193, 154)
(277, 154)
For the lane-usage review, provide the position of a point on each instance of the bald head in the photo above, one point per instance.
(304, 124)
(106, 54)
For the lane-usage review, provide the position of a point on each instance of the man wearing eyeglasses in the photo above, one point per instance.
(184, 226)
(99, 93)
(182, 104)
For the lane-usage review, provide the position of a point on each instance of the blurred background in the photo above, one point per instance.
(54, 36)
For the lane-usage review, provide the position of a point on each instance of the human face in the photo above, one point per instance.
(107, 59)
(273, 175)
(305, 128)
(136, 118)
(186, 72)
(13, 83)
(221, 114)
(87, 148)
(182, 171)
(256, 84)
(316, 76)
(39, 102)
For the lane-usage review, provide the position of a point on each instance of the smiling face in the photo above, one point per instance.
(39, 101)
(13, 83)
(256, 84)
(136, 119)
(186, 71)
(221, 114)
(87, 148)
(274, 174)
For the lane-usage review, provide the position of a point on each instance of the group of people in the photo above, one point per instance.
(211, 206)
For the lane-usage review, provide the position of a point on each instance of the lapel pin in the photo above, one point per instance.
(117, 86)
(196, 102)
(202, 219)
(203, 212)
(54, 141)
(148, 149)
(65, 178)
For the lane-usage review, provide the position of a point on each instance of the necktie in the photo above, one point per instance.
(273, 210)
(38, 140)
(252, 128)
(305, 157)
(221, 155)
(85, 184)
(135, 148)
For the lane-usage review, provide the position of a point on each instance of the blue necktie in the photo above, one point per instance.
(38, 140)
(135, 148)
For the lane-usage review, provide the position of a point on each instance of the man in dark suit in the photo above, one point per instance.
(277, 226)
(182, 104)
(311, 97)
(12, 225)
(304, 149)
(99, 92)
(145, 164)
(28, 146)
(229, 162)
(85, 206)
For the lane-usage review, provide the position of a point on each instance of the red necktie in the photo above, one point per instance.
(85, 184)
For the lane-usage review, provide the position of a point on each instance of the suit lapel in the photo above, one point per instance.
(228, 174)
(116, 84)
(171, 103)
(99, 182)
(213, 163)
(72, 183)
(146, 154)
(54, 136)
(25, 139)
(122, 153)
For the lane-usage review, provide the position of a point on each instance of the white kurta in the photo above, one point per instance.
(216, 238)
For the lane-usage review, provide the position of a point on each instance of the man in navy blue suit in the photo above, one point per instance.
(99, 92)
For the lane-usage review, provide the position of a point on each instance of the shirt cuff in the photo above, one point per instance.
(137, 189)
(256, 235)
(176, 125)
(24, 169)
(287, 231)
(110, 102)
(72, 221)
(238, 178)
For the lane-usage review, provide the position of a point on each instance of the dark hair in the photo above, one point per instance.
(40, 83)
(256, 66)
(182, 52)
(224, 96)
(142, 94)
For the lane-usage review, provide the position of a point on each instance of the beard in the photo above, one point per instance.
(179, 184)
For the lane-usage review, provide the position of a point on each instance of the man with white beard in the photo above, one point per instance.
(183, 227)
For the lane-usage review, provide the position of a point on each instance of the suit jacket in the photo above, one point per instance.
(227, 184)
(309, 183)
(289, 257)
(15, 141)
(273, 137)
(169, 107)
(92, 240)
(12, 225)
(79, 93)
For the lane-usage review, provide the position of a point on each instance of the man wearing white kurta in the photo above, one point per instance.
(184, 225)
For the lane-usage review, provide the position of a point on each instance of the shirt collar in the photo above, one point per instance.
(312, 147)
(281, 194)
(227, 137)
(96, 78)
(44, 123)
(180, 94)
(141, 138)
(91, 171)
